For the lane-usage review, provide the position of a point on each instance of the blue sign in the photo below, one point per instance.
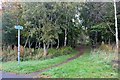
(18, 27)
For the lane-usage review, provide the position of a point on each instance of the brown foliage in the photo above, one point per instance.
(21, 50)
(107, 47)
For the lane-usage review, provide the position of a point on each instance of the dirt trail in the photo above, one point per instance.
(81, 51)
(31, 75)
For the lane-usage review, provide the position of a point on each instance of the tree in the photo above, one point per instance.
(11, 13)
(60, 24)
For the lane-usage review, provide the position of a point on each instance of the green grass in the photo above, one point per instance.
(94, 65)
(32, 66)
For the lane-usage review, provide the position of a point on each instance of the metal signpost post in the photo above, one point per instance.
(18, 28)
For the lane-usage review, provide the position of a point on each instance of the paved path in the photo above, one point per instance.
(33, 75)
(12, 75)
(0, 75)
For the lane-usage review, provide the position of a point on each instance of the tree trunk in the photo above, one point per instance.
(51, 45)
(26, 42)
(48, 45)
(58, 43)
(29, 44)
(39, 45)
(109, 40)
(102, 40)
(36, 44)
(65, 41)
(116, 28)
(96, 38)
(45, 50)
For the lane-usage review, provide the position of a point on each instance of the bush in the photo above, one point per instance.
(33, 54)
(66, 50)
(53, 52)
(61, 51)
(106, 47)
(36, 54)
(8, 55)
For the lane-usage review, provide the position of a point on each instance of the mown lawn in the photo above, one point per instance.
(93, 65)
(32, 66)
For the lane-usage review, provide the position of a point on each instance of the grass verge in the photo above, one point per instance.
(33, 66)
(90, 65)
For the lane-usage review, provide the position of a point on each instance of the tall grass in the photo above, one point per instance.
(103, 55)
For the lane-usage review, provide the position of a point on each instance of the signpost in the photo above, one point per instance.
(18, 28)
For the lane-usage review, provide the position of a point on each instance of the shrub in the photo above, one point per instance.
(66, 50)
(36, 54)
(106, 47)
(54, 52)
(8, 55)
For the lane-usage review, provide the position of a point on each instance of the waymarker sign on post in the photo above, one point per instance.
(18, 28)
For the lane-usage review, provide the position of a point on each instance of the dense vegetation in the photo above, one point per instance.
(59, 24)
(36, 54)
